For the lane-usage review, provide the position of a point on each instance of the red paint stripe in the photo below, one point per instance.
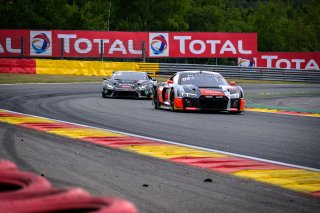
(18, 66)
(8, 114)
(47, 126)
(293, 113)
(226, 165)
(316, 194)
(119, 141)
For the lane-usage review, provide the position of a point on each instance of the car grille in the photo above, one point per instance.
(213, 103)
(127, 94)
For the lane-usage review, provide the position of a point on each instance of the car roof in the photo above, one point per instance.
(198, 71)
(127, 71)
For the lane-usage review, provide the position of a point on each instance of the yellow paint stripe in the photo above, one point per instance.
(24, 119)
(294, 179)
(83, 132)
(280, 112)
(171, 151)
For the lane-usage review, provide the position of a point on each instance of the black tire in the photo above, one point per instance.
(103, 95)
(155, 97)
(172, 100)
(235, 112)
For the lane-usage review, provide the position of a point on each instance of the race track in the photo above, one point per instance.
(156, 185)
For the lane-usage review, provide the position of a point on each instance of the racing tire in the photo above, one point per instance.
(172, 100)
(155, 98)
(235, 112)
(155, 104)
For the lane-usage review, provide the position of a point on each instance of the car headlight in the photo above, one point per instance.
(142, 87)
(187, 94)
(235, 95)
(109, 86)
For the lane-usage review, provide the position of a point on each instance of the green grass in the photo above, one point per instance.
(30, 78)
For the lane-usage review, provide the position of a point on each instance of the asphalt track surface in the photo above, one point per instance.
(156, 185)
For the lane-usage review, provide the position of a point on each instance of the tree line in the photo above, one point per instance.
(282, 25)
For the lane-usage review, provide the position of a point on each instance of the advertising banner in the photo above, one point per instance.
(283, 60)
(77, 43)
(202, 44)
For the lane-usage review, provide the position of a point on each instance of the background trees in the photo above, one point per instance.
(282, 25)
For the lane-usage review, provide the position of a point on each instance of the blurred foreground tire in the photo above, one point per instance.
(7, 165)
(18, 185)
(71, 200)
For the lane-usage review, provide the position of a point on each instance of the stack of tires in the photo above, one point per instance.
(24, 192)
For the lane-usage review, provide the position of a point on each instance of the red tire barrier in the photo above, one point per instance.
(72, 200)
(24, 192)
(7, 165)
(49, 198)
(18, 185)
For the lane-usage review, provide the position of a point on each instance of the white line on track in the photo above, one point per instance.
(180, 144)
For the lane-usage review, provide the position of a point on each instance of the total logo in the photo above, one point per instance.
(159, 44)
(247, 62)
(40, 43)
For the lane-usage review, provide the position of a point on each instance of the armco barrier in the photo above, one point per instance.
(98, 68)
(24, 192)
(245, 73)
(21, 66)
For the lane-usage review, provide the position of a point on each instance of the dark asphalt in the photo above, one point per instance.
(170, 187)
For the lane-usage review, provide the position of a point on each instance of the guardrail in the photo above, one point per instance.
(245, 73)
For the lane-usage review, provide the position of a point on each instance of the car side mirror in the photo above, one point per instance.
(232, 83)
(169, 81)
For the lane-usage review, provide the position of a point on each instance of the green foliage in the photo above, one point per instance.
(282, 25)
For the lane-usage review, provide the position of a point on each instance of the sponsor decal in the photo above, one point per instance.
(40, 43)
(159, 44)
(207, 92)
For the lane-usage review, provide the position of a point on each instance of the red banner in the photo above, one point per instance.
(209, 45)
(283, 60)
(75, 43)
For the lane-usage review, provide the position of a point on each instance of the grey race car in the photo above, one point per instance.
(128, 84)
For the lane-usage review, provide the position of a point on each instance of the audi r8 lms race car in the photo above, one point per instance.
(128, 84)
(198, 90)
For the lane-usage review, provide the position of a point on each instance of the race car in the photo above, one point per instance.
(198, 90)
(128, 84)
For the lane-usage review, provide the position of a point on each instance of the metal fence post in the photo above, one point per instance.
(22, 47)
(101, 50)
(61, 48)
(143, 51)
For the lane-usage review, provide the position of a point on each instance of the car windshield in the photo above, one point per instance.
(202, 79)
(129, 76)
